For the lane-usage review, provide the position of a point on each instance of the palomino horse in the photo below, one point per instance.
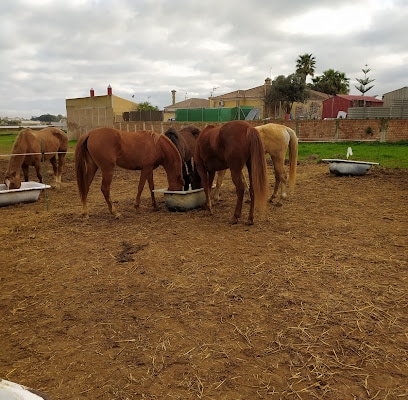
(142, 150)
(276, 140)
(232, 146)
(30, 149)
(185, 140)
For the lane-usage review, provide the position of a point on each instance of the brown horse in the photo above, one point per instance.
(185, 140)
(276, 140)
(232, 146)
(30, 149)
(142, 150)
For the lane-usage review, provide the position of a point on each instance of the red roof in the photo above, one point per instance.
(359, 97)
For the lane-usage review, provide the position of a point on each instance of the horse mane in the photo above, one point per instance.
(19, 140)
(154, 135)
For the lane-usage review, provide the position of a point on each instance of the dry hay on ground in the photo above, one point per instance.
(310, 303)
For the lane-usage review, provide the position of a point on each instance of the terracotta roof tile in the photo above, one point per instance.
(188, 103)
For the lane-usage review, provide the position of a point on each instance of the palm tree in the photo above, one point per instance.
(305, 65)
(331, 82)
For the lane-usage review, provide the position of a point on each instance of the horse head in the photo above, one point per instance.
(12, 180)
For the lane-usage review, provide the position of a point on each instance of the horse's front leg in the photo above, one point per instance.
(105, 188)
(186, 176)
(189, 174)
(145, 174)
(151, 187)
(24, 167)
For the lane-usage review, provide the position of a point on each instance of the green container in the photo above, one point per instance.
(212, 114)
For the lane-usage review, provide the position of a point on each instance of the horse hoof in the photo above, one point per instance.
(234, 221)
(249, 222)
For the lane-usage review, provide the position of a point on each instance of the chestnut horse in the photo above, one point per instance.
(276, 140)
(142, 150)
(30, 149)
(232, 146)
(184, 140)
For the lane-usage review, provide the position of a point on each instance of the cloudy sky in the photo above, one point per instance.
(52, 50)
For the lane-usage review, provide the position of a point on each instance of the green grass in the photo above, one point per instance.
(6, 142)
(389, 155)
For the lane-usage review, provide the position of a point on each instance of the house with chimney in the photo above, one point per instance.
(255, 97)
(87, 113)
(170, 110)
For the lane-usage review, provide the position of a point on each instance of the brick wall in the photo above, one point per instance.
(392, 130)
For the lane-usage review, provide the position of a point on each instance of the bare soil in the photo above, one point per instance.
(308, 303)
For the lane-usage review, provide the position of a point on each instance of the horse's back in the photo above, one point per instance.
(103, 145)
(49, 139)
(275, 137)
(207, 151)
(235, 141)
(129, 150)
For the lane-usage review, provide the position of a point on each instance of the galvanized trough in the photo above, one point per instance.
(29, 192)
(348, 167)
(183, 200)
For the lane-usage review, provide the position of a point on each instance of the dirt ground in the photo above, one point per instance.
(308, 303)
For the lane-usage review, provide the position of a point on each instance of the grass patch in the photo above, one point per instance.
(390, 155)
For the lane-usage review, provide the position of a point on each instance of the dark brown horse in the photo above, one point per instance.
(232, 146)
(142, 150)
(30, 149)
(184, 140)
(277, 139)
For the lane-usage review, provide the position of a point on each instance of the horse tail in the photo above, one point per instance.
(258, 169)
(293, 157)
(81, 159)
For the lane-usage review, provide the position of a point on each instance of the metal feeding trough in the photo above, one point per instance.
(183, 200)
(28, 193)
(348, 167)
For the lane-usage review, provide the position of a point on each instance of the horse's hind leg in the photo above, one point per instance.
(90, 174)
(53, 162)
(105, 188)
(60, 169)
(280, 180)
(240, 190)
(217, 189)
